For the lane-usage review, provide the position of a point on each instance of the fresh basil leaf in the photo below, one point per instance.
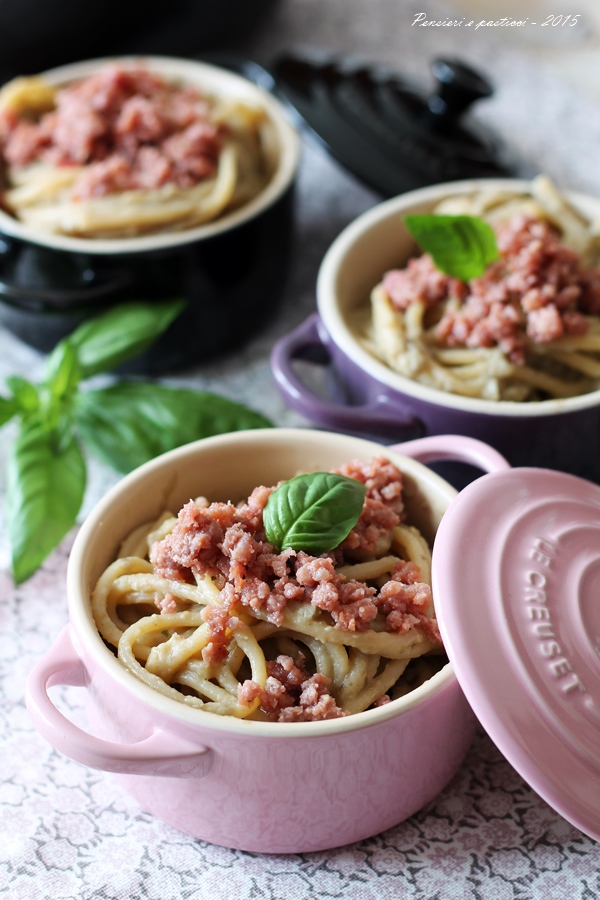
(313, 512)
(62, 371)
(25, 394)
(461, 246)
(45, 488)
(131, 422)
(121, 333)
(8, 408)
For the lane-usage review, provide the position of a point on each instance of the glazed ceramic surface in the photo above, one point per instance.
(269, 787)
(522, 628)
(557, 434)
(385, 129)
(35, 34)
(231, 271)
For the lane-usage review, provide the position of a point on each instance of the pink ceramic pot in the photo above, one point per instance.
(276, 788)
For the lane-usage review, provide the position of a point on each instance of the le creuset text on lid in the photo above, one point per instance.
(516, 576)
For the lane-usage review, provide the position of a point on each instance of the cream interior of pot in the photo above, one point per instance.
(379, 241)
(228, 468)
(281, 152)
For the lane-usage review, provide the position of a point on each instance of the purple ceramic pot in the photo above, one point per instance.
(378, 402)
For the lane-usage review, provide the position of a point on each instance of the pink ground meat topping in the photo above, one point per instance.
(228, 543)
(291, 693)
(383, 508)
(130, 129)
(221, 625)
(166, 604)
(404, 601)
(421, 281)
(537, 290)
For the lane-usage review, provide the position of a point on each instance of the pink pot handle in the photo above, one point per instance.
(453, 447)
(159, 754)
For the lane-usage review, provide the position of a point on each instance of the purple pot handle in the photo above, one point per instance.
(453, 447)
(380, 415)
(159, 754)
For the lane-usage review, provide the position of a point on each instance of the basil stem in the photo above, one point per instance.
(62, 372)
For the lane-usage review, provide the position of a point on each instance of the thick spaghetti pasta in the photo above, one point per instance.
(527, 329)
(125, 152)
(203, 609)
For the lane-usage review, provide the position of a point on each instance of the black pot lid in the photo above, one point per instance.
(387, 131)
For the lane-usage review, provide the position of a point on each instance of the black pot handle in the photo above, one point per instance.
(35, 296)
(7, 246)
(62, 299)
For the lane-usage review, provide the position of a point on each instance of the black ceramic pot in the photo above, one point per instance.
(231, 272)
(39, 34)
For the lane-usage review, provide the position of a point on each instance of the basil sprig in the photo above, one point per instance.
(461, 246)
(130, 422)
(125, 424)
(313, 512)
(120, 334)
(45, 486)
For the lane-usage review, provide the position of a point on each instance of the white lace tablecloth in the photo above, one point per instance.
(69, 832)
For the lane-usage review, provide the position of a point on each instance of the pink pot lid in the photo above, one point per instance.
(516, 577)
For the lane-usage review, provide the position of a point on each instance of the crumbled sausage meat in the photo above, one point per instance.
(221, 625)
(130, 129)
(291, 693)
(228, 543)
(404, 601)
(537, 290)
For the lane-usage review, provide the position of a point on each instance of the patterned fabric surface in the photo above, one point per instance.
(70, 833)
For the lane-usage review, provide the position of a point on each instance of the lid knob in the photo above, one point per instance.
(384, 129)
(458, 86)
